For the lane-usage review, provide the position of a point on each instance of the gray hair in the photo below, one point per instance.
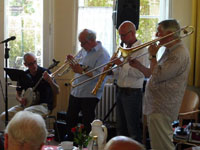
(27, 127)
(90, 35)
(28, 54)
(170, 25)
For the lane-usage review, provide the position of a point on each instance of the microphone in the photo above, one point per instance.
(9, 39)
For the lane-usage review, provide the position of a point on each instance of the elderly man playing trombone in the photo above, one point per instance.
(92, 55)
(166, 85)
(130, 85)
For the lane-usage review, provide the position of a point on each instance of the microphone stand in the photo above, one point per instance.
(6, 83)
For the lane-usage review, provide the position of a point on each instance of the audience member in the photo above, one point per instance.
(25, 131)
(123, 143)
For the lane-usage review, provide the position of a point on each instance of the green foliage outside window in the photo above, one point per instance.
(23, 24)
(28, 31)
(147, 24)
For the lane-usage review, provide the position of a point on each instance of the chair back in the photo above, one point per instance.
(189, 107)
(190, 102)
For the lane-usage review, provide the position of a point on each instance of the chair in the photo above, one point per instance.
(50, 119)
(189, 107)
(188, 110)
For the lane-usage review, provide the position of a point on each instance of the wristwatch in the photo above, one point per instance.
(152, 56)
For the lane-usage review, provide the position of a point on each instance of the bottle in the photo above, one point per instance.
(95, 143)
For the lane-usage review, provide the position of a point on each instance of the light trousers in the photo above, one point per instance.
(160, 131)
(41, 109)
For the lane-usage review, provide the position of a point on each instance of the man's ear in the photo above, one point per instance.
(25, 65)
(41, 145)
(5, 141)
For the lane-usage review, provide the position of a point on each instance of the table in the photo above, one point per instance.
(59, 147)
(179, 142)
(53, 146)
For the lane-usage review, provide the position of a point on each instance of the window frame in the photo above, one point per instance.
(48, 30)
(48, 45)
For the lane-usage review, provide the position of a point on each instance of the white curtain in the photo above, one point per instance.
(98, 19)
(165, 13)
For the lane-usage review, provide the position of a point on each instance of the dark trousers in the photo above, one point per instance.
(84, 105)
(129, 111)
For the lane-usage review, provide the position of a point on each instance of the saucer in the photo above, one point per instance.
(61, 148)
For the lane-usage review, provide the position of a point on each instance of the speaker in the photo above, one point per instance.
(128, 10)
(60, 130)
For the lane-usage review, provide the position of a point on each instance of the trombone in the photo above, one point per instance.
(126, 52)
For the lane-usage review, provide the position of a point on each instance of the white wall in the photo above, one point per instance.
(182, 11)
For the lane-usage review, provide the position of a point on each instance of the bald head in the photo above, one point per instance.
(123, 143)
(127, 32)
(127, 26)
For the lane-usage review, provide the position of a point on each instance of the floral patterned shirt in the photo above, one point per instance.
(166, 86)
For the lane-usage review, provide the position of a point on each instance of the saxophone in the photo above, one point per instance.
(102, 77)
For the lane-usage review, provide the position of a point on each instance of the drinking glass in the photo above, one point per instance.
(50, 137)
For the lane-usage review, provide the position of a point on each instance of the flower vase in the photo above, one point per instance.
(80, 147)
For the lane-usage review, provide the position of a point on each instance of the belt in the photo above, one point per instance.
(128, 90)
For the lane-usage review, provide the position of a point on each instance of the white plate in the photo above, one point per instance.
(61, 148)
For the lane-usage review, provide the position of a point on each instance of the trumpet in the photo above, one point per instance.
(62, 68)
(127, 52)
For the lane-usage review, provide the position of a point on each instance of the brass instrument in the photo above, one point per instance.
(102, 77)
(126, 52)
(62, 68)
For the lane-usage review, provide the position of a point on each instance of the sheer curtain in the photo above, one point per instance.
(194, 76)
(165, 13)
(97, 19)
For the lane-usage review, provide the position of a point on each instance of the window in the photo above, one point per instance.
(97, 15)
(28, 20)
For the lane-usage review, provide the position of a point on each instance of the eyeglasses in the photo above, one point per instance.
(123, 35)
(83, 43)
(31, 63)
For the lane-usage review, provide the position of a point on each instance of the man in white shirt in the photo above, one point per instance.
(130, 84)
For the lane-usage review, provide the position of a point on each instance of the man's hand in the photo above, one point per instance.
(77, 68)
(116, 60)
(134, 63)
(69, 57)
(23, 101)
(153, 49)
(47, 77)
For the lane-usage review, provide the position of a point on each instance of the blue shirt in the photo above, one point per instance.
(94, 58)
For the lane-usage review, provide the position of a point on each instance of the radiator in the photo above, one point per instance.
(107, 102)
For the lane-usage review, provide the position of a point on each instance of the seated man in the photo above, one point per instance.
(45, 91)
(123, 143)
(25, 131)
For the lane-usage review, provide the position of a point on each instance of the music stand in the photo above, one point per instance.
(15, 74)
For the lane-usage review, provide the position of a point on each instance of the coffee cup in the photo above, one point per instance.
(67, 145)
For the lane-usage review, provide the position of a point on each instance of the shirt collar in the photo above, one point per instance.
(97, 47)
(174, 46)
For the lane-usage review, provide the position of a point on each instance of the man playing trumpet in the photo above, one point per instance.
(92, 55)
